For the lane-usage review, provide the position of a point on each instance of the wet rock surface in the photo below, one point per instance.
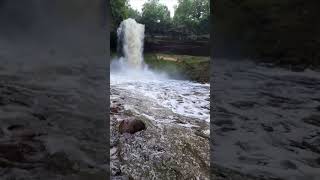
(164, 150)
(266, 122)
(50, 126)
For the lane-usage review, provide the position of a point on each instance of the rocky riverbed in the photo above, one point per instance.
(173, 145)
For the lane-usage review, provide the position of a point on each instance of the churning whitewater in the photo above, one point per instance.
(129, 74)
(130, 37)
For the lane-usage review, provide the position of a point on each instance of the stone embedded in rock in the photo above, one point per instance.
(115, 109)
(131, 126)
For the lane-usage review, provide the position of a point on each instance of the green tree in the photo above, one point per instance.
(119, 11)
(156, 17)
(192, 16)
(134, 14)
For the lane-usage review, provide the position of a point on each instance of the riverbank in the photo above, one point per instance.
(194, 68)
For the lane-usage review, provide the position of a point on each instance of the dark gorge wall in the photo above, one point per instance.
(284, 32)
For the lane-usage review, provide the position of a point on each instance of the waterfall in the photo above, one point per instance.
(130, 42)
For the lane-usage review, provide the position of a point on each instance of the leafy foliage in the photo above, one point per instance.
(119, 11)
(191, 18)
(134, 14)
(155, 16)
(193, 15)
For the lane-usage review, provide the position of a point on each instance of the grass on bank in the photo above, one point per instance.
(194, 68)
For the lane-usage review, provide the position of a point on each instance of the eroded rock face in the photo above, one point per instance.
(131, 126)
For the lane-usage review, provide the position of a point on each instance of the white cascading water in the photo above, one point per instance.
(131, 76)
(131, 34)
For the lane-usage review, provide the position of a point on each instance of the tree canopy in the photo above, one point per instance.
(155, 16)
(134, 14)
(119, 11)
(190, 17)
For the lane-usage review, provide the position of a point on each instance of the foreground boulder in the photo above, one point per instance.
(131, 126)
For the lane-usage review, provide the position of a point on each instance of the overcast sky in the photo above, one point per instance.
(137, 4)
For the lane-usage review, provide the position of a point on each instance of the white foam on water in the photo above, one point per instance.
(182, 97)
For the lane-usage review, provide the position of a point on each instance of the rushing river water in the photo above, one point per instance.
(182, 97)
